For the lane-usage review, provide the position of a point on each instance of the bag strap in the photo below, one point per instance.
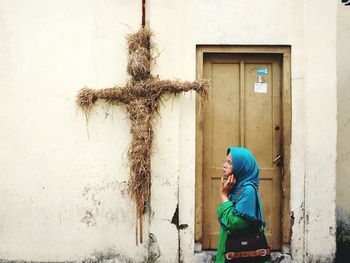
(237, 196)
(239, 193)
(257, 199)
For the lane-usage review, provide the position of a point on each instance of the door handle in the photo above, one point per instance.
(279, 157)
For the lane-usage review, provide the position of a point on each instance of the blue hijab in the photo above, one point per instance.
(246, 171)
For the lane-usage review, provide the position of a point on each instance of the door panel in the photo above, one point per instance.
(236, 115)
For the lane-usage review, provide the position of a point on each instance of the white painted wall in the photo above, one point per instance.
(343, 65)
(227, 22)
(304, 26)
(321, 129)
(343, 146)
(53, 175)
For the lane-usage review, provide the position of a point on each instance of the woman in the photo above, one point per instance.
(238, 211)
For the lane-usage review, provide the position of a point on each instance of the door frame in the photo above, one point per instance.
(285, 52)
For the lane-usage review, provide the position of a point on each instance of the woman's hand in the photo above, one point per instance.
(226, 187)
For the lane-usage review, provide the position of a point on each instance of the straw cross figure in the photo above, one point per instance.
(141, 96)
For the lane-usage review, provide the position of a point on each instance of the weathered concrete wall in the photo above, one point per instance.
(321, 129)
(343, 150)
(226, 22)
(284, 22)
(64, 195)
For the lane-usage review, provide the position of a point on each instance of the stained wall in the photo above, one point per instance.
(64, 181)
(343, 149)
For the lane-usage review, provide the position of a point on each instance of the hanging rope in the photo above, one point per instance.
(143, 13)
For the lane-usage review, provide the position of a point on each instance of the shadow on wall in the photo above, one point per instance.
(343, 237)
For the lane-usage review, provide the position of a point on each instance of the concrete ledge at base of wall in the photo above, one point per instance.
(202, 257)
(109, 256)
(115, 260)
(78, 261)
(208, 256)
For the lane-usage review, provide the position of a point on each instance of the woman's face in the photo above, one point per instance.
(227, 169)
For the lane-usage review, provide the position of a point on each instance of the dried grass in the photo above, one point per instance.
(140, 39)
(139, 64)
(141, 97)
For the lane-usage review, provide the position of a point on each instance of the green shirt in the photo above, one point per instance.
(231, 222)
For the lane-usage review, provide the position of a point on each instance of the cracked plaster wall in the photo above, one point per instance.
(303, 25)
(64, 195)
(343, 160)
(321, 135)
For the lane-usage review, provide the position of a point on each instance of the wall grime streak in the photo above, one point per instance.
(343, 236)
(109, 255)
(89, 219)
(153, 249)
(94, 195)
(175, 220)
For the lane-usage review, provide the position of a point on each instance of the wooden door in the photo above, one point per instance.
(239, 113)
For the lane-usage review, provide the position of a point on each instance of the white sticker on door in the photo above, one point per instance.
(260, 87)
